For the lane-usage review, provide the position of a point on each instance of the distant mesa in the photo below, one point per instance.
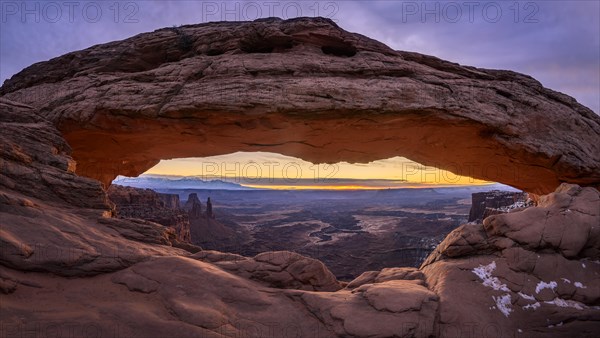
(149, 205)
(495, 202)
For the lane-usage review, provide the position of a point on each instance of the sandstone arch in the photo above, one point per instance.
(305, 87)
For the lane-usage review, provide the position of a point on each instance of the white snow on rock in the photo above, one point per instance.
(566, 280)
(504, 304)
(579, 285)
(526, 296)
(533, 306)
(567, 303)
(543, 285)
(484, 272)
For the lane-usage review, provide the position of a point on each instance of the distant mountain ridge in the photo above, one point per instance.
(177, 182)
(170, 182)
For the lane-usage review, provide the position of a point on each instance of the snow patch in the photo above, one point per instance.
(484, 272)
(533, 306)
(579, 285)
(543, 285)
(519, 330)
(567, 303)
(526, 296)
(566, 280)
(504, 304)
(583, 265)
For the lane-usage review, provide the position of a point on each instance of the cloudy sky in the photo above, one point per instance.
(557, 42)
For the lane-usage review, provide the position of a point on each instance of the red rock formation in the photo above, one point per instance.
(484, 204)
(305, 87)
(149, 205)
(53, 220)
(193, 206)
(209, 209)
(280, 269)
(532, 272)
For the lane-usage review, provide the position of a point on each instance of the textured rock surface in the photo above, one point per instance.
(535, 272)
(484, 204)
(53, 220)
(149, 205)
(305, 87)
(281, 269)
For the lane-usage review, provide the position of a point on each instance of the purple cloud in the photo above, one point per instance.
(557, 42)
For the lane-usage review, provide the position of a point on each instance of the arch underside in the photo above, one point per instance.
(308, 89)
(458, 146)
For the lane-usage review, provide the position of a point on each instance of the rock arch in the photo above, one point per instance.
(305, 87)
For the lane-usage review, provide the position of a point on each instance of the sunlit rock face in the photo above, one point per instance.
(306, 88)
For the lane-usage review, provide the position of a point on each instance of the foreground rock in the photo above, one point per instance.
(305, 87)
(534, 272)
(281, 269)
(53, 220)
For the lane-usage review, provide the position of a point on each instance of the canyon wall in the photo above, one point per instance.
(152, 206)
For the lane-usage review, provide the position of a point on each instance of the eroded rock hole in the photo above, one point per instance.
(260, 44)
(340, 50)
(350, 221)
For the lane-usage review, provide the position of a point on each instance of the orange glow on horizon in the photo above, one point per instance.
(266, 170)
(352, 187)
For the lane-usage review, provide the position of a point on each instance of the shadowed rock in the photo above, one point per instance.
(149, 205)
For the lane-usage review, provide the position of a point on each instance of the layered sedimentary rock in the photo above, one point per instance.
(533, 272)
(484, 204)
(193, 206)
(149, 205)
(53, 220)
(307, 88)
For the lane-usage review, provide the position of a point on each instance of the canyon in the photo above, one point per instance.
(302, 87)
(349, 231)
